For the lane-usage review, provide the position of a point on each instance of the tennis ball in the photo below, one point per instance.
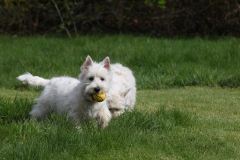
(99, 97)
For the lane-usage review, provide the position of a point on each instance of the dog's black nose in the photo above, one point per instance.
(97, 89)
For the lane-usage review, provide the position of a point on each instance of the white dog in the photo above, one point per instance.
(75, 97)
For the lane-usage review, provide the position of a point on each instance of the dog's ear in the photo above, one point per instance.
(126, 92)
(87, 63)
(106, 63)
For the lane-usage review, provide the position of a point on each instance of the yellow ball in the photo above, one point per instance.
(99, 97)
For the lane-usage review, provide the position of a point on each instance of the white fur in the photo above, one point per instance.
(122, 95)
(33, 81)
(74, 97)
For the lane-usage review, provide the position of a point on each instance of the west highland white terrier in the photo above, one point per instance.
(75, 97)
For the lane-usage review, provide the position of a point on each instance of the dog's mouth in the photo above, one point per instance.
(88, 97)
(91, 96)
(95, 97)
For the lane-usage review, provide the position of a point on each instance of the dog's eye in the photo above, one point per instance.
(102, 79)
(91, 78)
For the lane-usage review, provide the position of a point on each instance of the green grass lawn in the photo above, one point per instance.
(156, 63)
(187, 100)
(183, 123)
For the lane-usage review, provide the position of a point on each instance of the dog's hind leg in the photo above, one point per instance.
(41, 111)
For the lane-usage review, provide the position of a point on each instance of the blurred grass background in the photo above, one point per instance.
(156, 63)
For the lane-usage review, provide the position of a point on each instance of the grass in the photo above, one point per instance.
(156, 63)
(187, 100)
(184, 123)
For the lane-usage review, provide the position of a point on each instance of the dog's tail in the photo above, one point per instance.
(33, 81)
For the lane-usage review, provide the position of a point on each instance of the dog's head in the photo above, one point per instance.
(95, 77)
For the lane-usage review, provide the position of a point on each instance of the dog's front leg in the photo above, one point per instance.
(103, 117)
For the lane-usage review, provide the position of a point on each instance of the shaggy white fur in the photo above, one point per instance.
(74, 97)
